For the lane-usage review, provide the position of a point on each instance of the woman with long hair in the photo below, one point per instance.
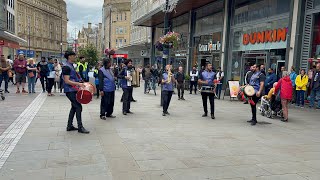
(32, 74)
(58, 70)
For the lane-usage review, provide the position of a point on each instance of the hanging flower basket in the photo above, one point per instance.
(170, 40)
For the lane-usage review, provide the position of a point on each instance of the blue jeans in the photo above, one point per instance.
(218, 90)
(4, 76)
(31, 84)
(315, 95)
(300, 98)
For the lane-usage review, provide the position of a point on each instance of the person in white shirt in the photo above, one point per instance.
(194, 74)
(220, 76)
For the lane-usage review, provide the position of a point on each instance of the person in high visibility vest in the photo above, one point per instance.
(82, 67)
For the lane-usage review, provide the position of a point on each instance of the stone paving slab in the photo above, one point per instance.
(183, 146)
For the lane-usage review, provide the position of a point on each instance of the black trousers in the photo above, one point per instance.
(127, 95)
(205, 102)
(193, 84)
(255, 99)
(98, 91)
(167, 95)
(107, 104)
(76, 108)
(44, 82)
(50, 83)
(180, 88)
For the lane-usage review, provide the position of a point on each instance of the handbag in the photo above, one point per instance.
(10, 74)
(31, 74)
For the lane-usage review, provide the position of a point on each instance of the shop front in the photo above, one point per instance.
(208, 35)
(259, 35)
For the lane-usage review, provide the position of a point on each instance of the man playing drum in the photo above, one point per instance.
(206, 79)
(71, 81)
(107, 89)
(257, 82)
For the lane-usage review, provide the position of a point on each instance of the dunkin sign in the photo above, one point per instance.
(268, 36)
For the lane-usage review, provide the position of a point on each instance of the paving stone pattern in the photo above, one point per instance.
(182, 146)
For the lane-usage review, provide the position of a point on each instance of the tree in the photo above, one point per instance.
(91, 55)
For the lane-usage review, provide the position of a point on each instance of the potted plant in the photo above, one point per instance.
(187, 82)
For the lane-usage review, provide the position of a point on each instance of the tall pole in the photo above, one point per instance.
(110, 21)
(166, 30)
(28, 55)
(61, 37)
(75, 40)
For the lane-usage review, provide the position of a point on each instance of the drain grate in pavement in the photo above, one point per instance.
(12, 135)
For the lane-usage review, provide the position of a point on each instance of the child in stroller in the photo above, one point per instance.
(270, 107)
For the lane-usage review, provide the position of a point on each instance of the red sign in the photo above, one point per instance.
(120, 56)
(1, 42)
(275, 35)
(9, 44)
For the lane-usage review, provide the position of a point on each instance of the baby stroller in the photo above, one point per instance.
(2, 95)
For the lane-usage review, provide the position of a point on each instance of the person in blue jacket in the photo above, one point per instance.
(270, 80)
(293, 77)
(107, 89)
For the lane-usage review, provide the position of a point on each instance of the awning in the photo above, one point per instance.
(12, 37)
(135, 47)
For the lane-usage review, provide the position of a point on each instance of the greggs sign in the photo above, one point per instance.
(275, 35)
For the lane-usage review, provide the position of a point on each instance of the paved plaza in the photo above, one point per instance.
(148, 146)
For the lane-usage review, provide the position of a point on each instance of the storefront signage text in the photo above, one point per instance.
(275, 35)
(210, 47)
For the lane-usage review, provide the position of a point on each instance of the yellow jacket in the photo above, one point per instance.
(301, 84)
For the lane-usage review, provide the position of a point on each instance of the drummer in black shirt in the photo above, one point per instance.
(257, 82)
(71, 80)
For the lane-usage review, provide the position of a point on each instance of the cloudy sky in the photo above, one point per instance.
(80, 12)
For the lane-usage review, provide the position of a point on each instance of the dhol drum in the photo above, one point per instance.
(85, 94)
(207, 89)
(249, 91)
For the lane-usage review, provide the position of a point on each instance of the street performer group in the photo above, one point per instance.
(79, 91)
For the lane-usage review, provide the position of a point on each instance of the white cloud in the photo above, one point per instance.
(80, 12)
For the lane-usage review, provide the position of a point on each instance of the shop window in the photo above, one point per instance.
(248, 10)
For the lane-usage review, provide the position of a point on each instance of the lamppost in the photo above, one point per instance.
(167, 8)
(28, 54)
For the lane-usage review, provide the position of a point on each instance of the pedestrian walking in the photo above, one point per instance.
(71, 79)
(180, 78)
(284, 90)
(107, 89)
(32, 74)
(58, 71)
(44, 70)
(51, 76)
(167, 89)
(206, 79)
(96, 79)
(4, 76)
(301, 83)
(20, 67)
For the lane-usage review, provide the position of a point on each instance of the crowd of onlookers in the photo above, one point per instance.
(22, 71)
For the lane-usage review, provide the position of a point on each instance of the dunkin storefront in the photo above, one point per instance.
(259, 35)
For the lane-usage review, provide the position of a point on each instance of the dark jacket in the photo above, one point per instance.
(316, 80)
(180, 77)
(270, 79)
